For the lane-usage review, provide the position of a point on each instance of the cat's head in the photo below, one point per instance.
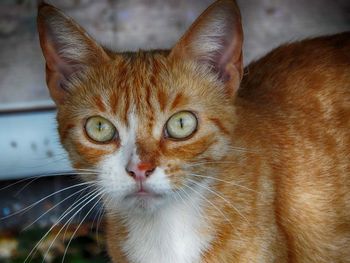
(150, 124)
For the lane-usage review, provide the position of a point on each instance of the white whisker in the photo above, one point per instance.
(87, 214)
(224, 181)
(223, 198)
(211, 203)
(36, 177)
(99, 221)
(44, 198)
(27, 184)
(70, 196)
(91, 197)
(209, 162)
(67, 212)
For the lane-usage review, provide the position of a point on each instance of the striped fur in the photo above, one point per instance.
(266, 176)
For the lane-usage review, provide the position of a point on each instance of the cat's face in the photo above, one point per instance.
(146, 123)
(149, 116)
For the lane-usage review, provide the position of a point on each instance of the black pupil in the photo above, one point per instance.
(181, 123)
(99, 126)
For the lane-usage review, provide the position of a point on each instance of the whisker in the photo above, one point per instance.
(224, 181)
(86, 170)
(70, 196)
(65, 214)
(175, 195)
(27, 184)
(211, 203)
(94, 220)
(223, 198)
(47, 163)
(240, 149)
(209, 162)
(69, 222)
(96, 191)
(37, 177)
(98, 223)
(87, 214)
(97, 219)
(195, 207)
(42, 199)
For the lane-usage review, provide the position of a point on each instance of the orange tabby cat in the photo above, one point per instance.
(193, 169)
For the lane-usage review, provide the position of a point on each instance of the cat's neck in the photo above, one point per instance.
(176, 233)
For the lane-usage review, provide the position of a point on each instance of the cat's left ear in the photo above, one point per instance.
(215, 41)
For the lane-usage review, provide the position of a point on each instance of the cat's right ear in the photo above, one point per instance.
(67, 49)
(215, 41)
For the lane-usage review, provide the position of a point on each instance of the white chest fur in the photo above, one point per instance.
(171, 235)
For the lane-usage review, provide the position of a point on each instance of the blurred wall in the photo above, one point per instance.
(134, 24)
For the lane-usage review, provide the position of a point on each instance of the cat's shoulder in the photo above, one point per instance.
(325, 50)
(297, 69)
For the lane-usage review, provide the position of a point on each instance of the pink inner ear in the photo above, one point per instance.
(231, 59)
(56, 60)
(58, 70)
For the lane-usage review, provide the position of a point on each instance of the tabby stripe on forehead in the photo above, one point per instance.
(148, 96)
(219, 124)
(179, 100)
(136, 90)
(156, 70)
(126, 105)
(99, 103)
(113, 100)
(153, 80)
(150, 112)
(123, 69)
(162, 100)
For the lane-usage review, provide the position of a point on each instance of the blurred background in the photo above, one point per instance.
(29, 148)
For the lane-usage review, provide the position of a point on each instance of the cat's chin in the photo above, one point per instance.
(144, 195)
(139, 202)
(145, 203)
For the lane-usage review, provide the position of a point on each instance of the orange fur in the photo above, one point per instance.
(279, 147)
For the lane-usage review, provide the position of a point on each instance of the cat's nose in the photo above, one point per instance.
(140, 171)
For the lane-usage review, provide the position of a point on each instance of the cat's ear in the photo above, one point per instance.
(215, 40)
(67, 49)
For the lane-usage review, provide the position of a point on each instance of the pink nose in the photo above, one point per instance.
(140, 171)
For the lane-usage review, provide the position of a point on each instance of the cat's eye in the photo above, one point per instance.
(181, 125)
(100, 129)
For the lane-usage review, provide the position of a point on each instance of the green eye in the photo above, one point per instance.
(181, 125)
(99, 129)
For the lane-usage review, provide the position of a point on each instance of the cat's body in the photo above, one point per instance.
(192, 170)
(294, 107)
(292, 134)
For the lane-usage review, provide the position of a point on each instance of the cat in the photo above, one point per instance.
(194, 163)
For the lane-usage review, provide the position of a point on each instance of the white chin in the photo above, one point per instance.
(142, 203)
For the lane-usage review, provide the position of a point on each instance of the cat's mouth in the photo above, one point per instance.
(143, 192)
